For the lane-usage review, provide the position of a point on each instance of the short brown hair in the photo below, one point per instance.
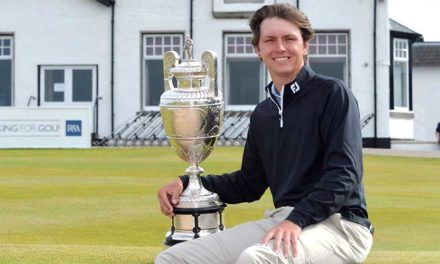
(283, 11)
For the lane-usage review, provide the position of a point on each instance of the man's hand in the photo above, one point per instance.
(169, 196)
(287, 232)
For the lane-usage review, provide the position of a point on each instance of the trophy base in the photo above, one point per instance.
(192, 223)
(199, 212)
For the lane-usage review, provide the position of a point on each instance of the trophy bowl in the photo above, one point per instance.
(192, 116)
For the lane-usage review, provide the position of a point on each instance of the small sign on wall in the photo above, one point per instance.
(58, 87)
(38, 127)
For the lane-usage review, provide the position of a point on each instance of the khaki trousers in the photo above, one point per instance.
(333, 240)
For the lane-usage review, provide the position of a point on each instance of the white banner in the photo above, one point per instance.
(37, 127)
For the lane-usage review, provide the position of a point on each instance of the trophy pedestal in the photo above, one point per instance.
(199, 212)
(192, 223)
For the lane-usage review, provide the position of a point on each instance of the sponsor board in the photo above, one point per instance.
(45, 127)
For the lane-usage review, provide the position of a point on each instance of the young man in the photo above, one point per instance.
(304, 143)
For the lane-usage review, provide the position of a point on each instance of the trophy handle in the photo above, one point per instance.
(170, 60)
(209, 61)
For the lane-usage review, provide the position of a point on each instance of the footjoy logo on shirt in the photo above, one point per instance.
(295, 87)
(73, 128)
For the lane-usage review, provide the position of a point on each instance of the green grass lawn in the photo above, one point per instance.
(99, 205)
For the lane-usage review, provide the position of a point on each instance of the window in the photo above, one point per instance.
(237, 8)
(6, 52)
(54, 85)
(244, 73)
(400, 72)
(68, 85)
(82, 83)
(154, 46)
(244, 1)
(328, 54)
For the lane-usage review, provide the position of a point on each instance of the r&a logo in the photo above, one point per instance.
(73, 128)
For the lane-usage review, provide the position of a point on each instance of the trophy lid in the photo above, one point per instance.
(189, 68)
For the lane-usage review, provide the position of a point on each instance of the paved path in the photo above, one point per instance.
(404, 153)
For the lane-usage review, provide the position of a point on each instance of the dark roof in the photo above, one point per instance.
(398, 30)
(426, 54)
(396, 26)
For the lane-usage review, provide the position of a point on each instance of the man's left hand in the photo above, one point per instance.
(286, 232)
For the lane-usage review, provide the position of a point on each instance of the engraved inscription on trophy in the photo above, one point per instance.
(192, 116)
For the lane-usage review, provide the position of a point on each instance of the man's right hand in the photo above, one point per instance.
(169, 196)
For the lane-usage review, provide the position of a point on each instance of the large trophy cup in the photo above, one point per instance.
(192, 115)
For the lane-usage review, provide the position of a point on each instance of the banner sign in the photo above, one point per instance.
(37, 127)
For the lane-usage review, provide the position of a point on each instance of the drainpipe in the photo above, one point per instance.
(111, 3)
(191, 19)
(374, 72)
(112, 73)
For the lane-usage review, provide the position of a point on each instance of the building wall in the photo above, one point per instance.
(51, 32)
(78, 32)
(426, 95)
(360, 31)
(132, 19)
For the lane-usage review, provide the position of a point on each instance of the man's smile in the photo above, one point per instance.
(279, 59)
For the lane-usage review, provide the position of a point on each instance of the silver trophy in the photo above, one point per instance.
(192, 115)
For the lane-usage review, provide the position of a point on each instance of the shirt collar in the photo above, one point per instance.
(306, 73)
(276, 94)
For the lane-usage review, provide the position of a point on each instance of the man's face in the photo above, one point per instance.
(281, 48)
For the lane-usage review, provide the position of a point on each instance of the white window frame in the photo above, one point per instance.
(9, 57)
(223, 9)
(323, 51)
(401, 54)
(156, 56)
(247, 53)
(68, 89)
(11, 52)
